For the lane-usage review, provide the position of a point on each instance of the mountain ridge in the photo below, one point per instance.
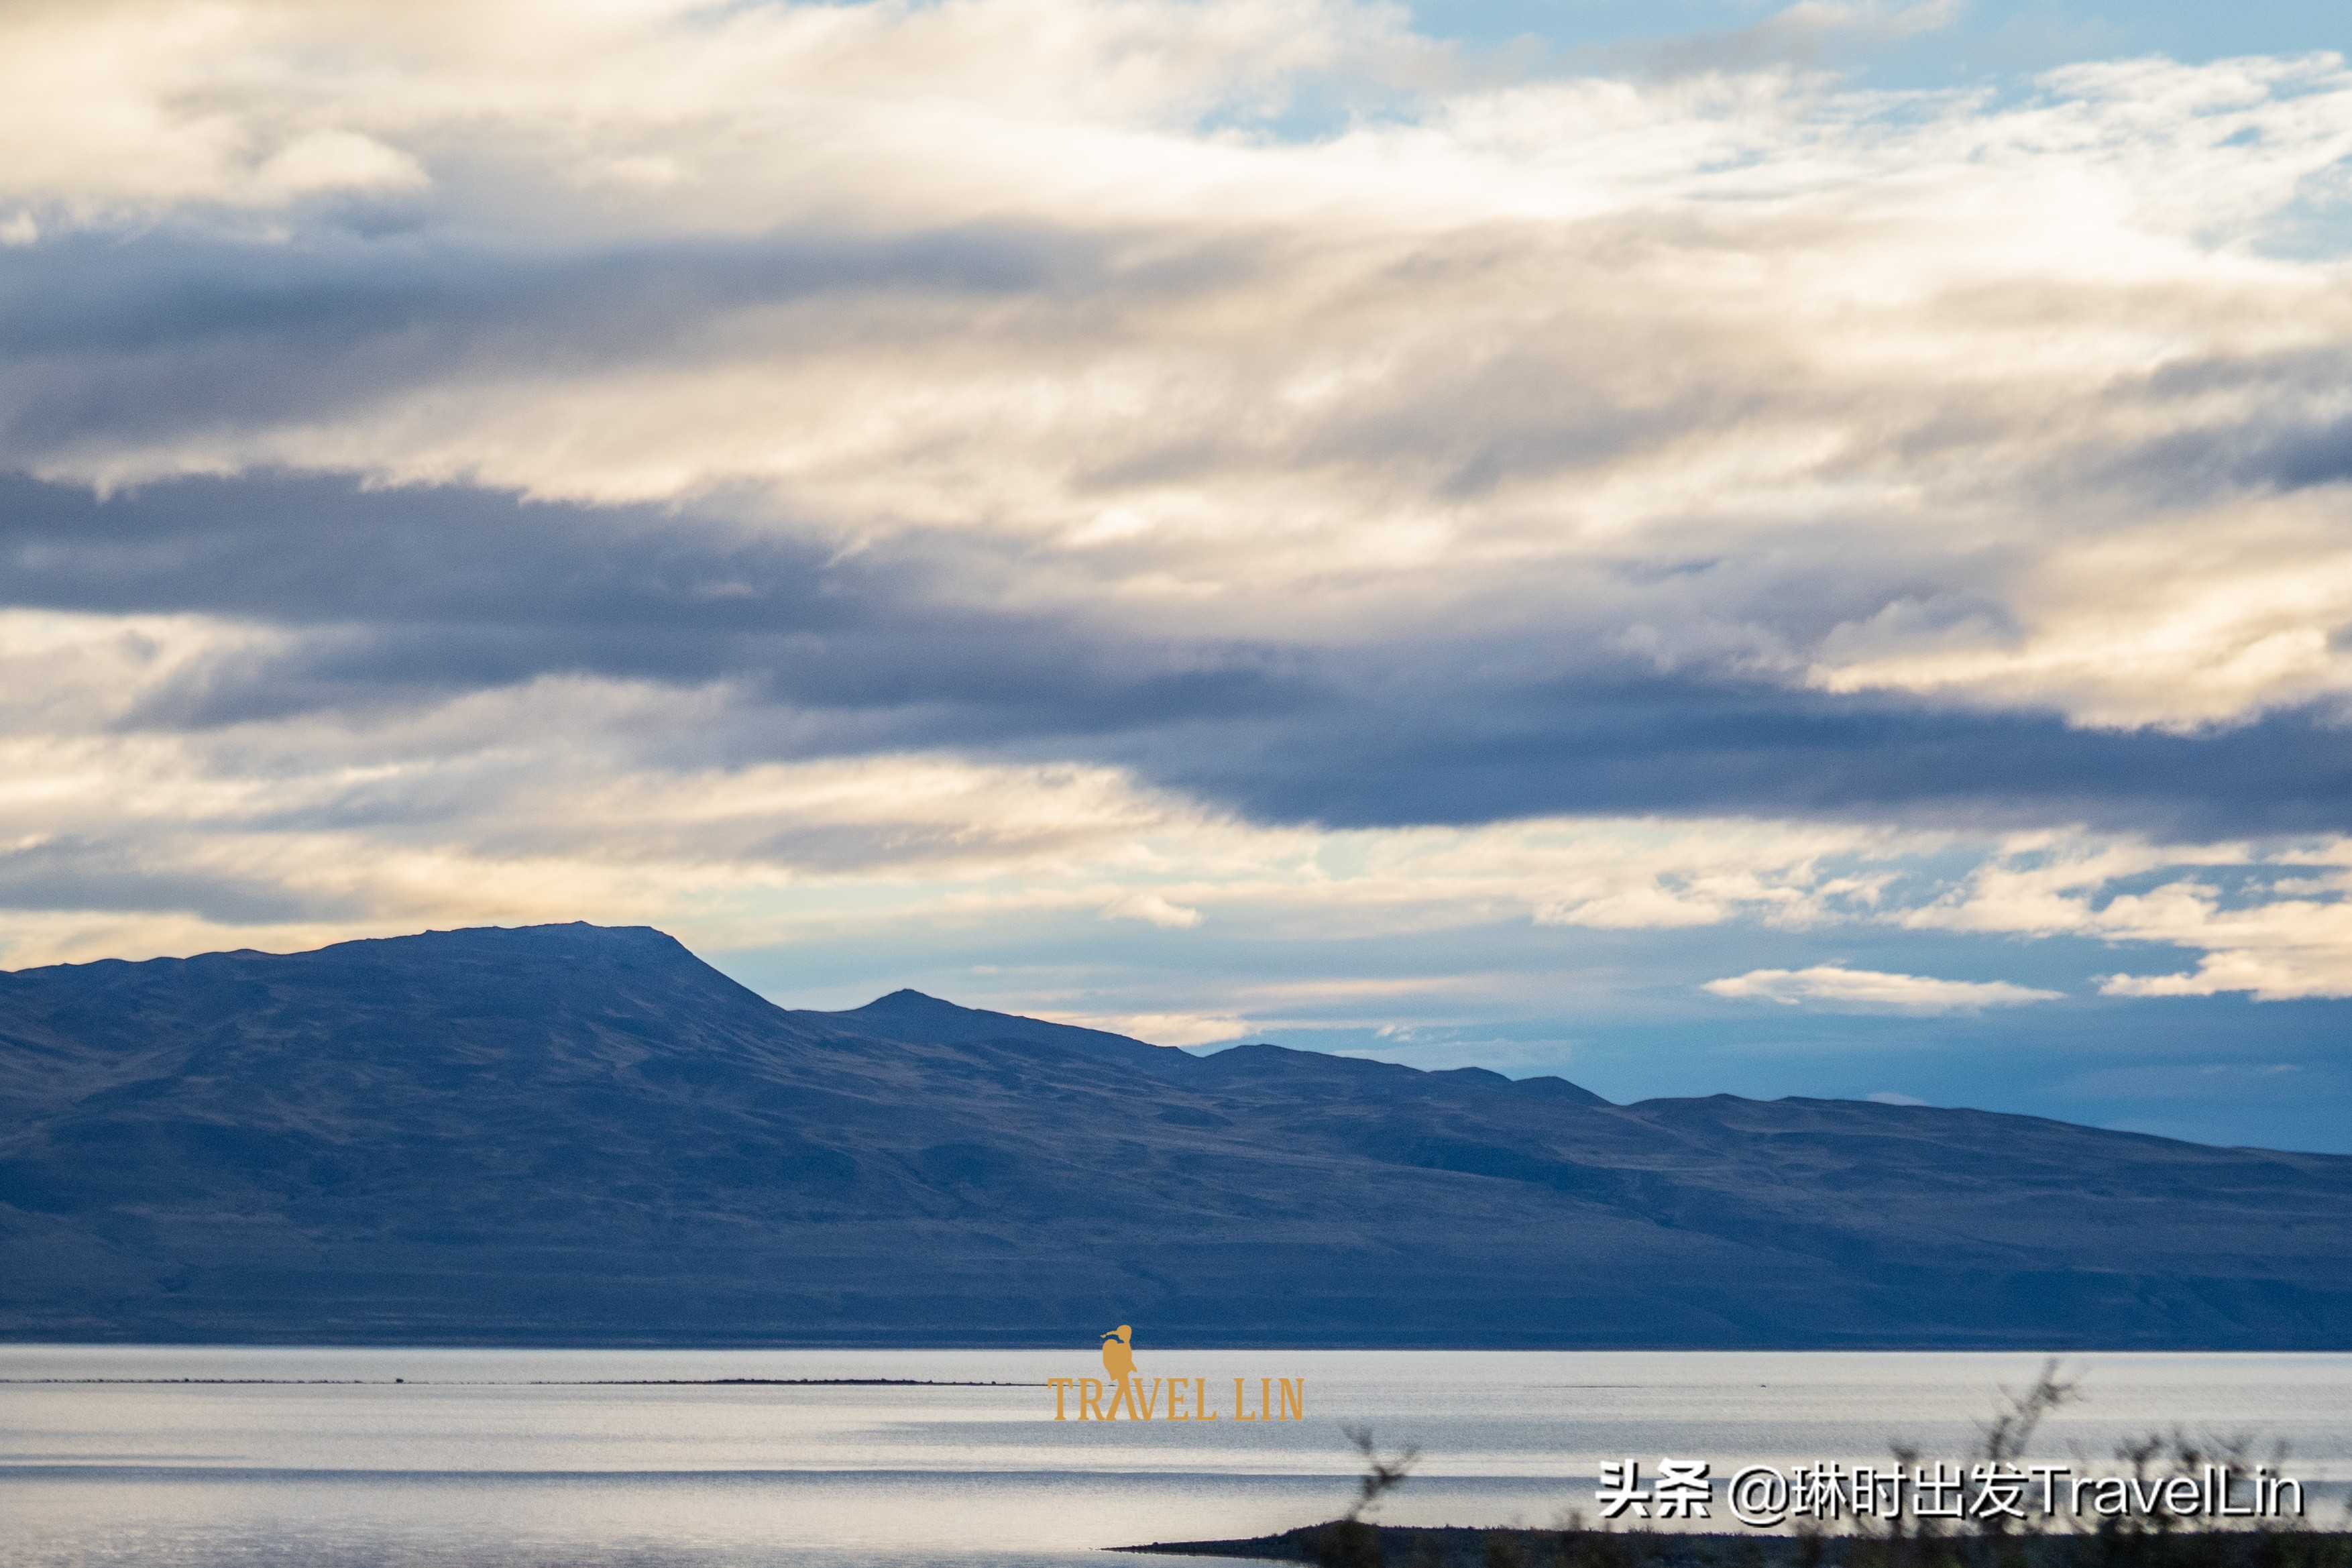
(584, 1134)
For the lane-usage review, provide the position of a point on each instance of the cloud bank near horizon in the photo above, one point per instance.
(1874, 991)
(779, 471)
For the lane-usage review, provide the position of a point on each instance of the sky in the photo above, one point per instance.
(1700, 547)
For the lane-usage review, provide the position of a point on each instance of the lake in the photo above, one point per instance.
(428, 1457)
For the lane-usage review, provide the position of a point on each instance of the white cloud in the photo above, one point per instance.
(1160, 1028)
(1870, 991)
(1890, 1096)
(1153, 908)
(2274, 922)
(729, 117)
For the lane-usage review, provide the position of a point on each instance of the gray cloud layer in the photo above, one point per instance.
(400, 597)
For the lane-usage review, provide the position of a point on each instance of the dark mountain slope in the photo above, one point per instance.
(571, 1134)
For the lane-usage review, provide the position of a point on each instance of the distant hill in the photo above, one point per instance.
(569, 1134)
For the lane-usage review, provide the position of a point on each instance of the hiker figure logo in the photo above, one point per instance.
(1168, 1398)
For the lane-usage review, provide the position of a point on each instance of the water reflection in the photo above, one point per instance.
(538, 1456)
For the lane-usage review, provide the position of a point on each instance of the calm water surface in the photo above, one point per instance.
(535, 1457)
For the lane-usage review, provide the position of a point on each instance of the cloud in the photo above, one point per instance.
(317, 598)
(1889, 1097)
(2271, 921)
(1162, 1028)
(2001, 404)
(804, 468)
(566, 793)
(1153, 908)
(275, 711)
(115, 109)
(1868, 991)
(1804, 32)
(138, 105)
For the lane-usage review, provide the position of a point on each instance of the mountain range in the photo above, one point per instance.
(585, 1135)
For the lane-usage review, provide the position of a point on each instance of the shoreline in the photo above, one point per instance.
(1335, 1544)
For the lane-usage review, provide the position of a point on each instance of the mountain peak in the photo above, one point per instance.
(907, 1001)
(907, 1006)
(573, 936)
(910, 1014)
(582, 935)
